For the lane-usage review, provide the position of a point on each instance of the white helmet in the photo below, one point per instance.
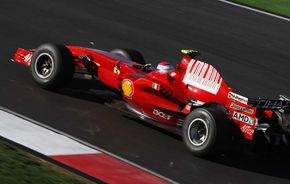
(164, 67)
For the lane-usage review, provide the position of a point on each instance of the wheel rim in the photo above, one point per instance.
(197, 132)
(44, 65)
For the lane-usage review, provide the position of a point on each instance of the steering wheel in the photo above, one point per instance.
(147, 68)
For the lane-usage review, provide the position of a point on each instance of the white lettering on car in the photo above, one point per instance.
(161, 114)
(247, 129)
(238, 98)
(240, 108)
(27, 58)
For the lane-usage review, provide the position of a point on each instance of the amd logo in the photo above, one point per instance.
(243, 118)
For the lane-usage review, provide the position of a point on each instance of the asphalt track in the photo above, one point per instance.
(250, 50)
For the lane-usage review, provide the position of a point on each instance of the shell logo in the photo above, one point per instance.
(128, 88)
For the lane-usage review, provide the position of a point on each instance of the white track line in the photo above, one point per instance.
(38, 138)
(13, 118)
(255, 10)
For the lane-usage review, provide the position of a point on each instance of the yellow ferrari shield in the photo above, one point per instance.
(117, 70)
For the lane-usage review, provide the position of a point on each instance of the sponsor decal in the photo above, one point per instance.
(240, 108)
(117, 70)
(161, 114)
(267, 104)
(238, 98)
(247, 130)
(203, 76)
(243, 118)
(128, 88)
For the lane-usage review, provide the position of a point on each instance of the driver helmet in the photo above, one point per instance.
(164, 67)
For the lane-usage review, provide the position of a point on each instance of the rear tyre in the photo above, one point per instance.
(207, 132)
(130, 54)
(52, 66)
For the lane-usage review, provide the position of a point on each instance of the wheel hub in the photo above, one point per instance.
(44, 65)
(198, 132)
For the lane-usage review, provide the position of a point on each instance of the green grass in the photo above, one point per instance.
(280, 7)
(19, 167)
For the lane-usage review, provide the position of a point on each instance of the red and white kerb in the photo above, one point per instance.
(72, 153)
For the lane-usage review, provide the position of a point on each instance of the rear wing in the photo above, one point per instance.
(259, 103)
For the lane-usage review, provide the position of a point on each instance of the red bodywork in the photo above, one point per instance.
(164, 97)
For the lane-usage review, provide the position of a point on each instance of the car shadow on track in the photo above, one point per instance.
(90, 90)
(272, 162)
(262, 159)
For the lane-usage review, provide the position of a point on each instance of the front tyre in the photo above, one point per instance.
(52, 66)
(207, 132)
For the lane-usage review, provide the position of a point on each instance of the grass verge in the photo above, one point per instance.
(279, 7)
(17, 166)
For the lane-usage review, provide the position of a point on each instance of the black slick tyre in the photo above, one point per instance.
(207, 132)
(52, 66)
(130, 54)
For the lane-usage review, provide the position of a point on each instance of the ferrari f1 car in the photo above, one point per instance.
(192, 100)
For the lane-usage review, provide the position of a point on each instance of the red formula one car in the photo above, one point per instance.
(191, 99)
